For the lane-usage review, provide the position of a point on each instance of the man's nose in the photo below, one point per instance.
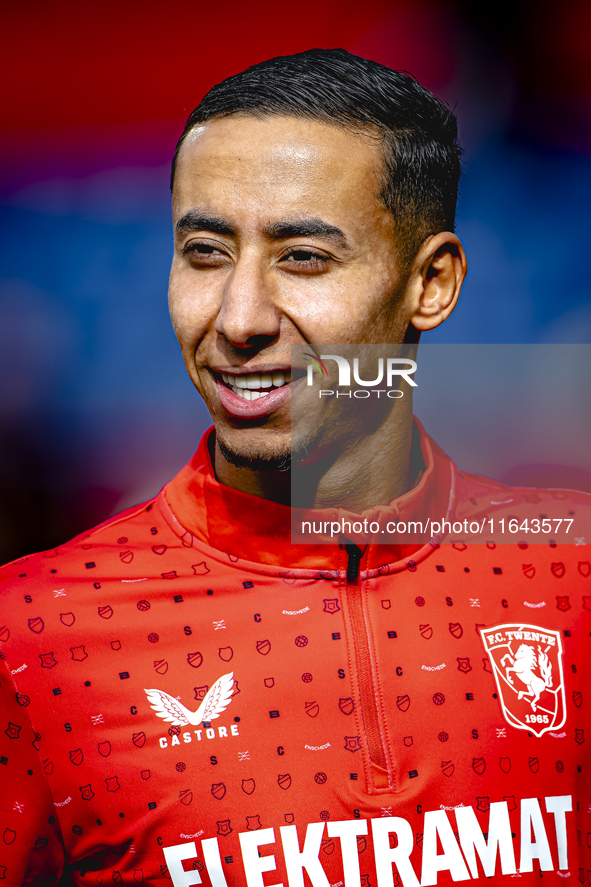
(248, 309)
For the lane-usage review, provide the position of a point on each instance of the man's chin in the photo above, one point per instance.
(254, 460)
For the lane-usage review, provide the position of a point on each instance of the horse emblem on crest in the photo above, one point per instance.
(527, 666)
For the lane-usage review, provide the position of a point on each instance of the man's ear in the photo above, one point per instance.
(435, 281)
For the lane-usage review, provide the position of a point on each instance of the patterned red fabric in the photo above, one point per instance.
(188, 697)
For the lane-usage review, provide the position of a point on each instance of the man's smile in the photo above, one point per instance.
(256, 394)
(251, 386)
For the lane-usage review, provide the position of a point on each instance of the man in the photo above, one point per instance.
(191, 694)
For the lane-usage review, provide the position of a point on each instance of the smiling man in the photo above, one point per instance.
(191, 694)
(287, 232)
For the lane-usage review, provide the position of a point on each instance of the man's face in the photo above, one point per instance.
(280, 240)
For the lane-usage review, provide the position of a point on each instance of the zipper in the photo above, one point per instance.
(368, 690)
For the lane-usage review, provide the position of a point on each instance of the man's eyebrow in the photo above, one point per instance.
(310, 226)
(199, 221)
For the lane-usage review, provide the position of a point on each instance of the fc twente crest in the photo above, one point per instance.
(527, 665)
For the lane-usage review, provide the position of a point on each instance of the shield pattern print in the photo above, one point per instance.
(527, 666)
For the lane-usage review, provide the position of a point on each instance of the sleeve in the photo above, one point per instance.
(31, 849)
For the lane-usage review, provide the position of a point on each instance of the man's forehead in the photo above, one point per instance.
(266, 145)
(302, 165)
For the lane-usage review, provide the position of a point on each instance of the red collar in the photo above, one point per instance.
(250, 528)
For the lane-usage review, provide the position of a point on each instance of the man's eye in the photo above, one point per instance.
(202, 249)
(306, 259)
(203, 254)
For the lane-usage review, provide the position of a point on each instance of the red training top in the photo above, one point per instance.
(188, 697)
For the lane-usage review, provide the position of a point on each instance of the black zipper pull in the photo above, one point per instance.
(354, 555)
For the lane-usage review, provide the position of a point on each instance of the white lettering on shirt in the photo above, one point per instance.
(398, 855)
(559, 805)
(211, 855)
(348, 830)
(297, 860)
(499, 840)
(493, 852)
(437, 824)
(255, 865)
(174, 857)
(539, 848)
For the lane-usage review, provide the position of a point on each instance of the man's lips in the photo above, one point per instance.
(253, 395)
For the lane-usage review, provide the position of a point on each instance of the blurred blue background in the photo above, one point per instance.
(96, 411)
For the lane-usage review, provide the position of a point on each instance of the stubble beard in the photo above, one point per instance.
(279, 459)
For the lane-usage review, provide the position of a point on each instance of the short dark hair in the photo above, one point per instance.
(417, 131)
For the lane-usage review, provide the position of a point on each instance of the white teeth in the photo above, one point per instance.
(247, 394)
(249, 386)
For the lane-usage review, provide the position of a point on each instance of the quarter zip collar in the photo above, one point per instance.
(250, 528)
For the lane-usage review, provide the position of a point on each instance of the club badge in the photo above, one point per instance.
(527, 665)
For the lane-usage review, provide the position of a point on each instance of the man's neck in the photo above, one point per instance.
(373, 470)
